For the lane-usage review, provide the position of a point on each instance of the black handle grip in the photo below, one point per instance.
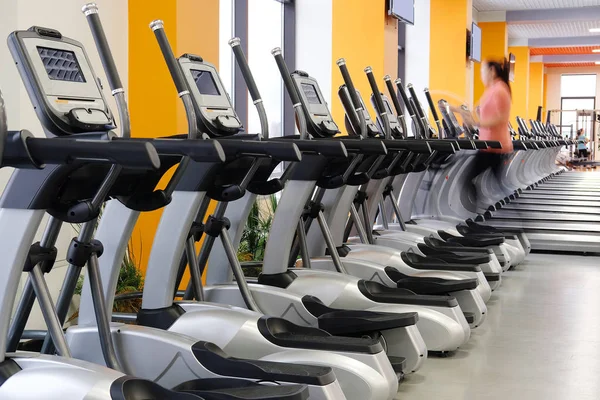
(375, 89)
(405, 99)
(124, 152)
(90, 11)
(431, 105)
(465, 144)
(285, 75)
(393, 95)
(197, 150)
(240, 57)
(443, 146)
(283, 151)
(344, 96)
(415, 99)
(367, 147)
(158, 28)
(493, 144)
(415, 146)
(325, 147)
(341, 63)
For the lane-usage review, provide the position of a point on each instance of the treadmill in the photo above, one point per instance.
(548, 228)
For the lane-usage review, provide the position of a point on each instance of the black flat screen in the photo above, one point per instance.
(205, 83)
(61, 65)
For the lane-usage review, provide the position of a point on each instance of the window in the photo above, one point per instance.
(578, 85)
(225, 53)
(265, 32)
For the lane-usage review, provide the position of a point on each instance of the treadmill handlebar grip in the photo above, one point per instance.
(413, 95)
(405, 99)
(431, 105)
(341, 63)
(415, 146)
(285, 75)
(375, 89)
(90, 11)
(282, 151)
(242, 62)
(393, 95)
(197, 150)
(158, 28)
(123, 152)
(444, 146)
(367, 146)
(493, 144)
(324, 147)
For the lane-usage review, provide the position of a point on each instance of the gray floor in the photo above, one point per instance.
(541, 339)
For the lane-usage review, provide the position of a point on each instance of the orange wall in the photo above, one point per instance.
(494, 42)
(450, 73)
(191, 27)
(358, 36)
(520, 87)
(536, 87)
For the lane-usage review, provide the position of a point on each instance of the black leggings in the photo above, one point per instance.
(583, 153)
(485, 160)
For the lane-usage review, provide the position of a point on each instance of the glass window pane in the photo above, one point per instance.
(578, 86)
(575, 116)
(265, 31)
(225, 53)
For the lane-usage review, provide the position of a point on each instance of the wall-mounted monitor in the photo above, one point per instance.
(403, 10)
(475, 45)
(512, 61)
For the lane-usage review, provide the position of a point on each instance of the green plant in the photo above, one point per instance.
(130, 278)
(254, 239)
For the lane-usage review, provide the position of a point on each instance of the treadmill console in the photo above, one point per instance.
(344, 95)
(318, 118)
(214, 111)
(450, 122)
(394, 123)
(65, 92)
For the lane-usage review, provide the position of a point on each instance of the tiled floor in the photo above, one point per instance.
(541, 339)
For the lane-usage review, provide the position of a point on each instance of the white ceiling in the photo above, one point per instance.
(506, 5)
(552, 29)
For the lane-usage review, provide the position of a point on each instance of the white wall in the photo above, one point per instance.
(314, 19)
(417, 49)
(66, 17)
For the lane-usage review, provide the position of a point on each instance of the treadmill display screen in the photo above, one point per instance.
(61, 65)
(310, 91)
(205, 83)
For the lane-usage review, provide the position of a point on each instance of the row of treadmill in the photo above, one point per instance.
(379, 255)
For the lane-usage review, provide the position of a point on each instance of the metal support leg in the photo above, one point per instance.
(54, 326)
(102, 314)
(337, 261)
(382, 212)
(196, 276)
(238, 273)
(301, 235)
(69, 284)
(360, 229)
(368, 224)
(394, 202)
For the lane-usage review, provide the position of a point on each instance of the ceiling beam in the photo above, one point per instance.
(553, 15)
(572, 58)
(565, 41)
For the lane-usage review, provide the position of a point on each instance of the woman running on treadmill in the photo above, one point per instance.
(582, 144)
(494, 115)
